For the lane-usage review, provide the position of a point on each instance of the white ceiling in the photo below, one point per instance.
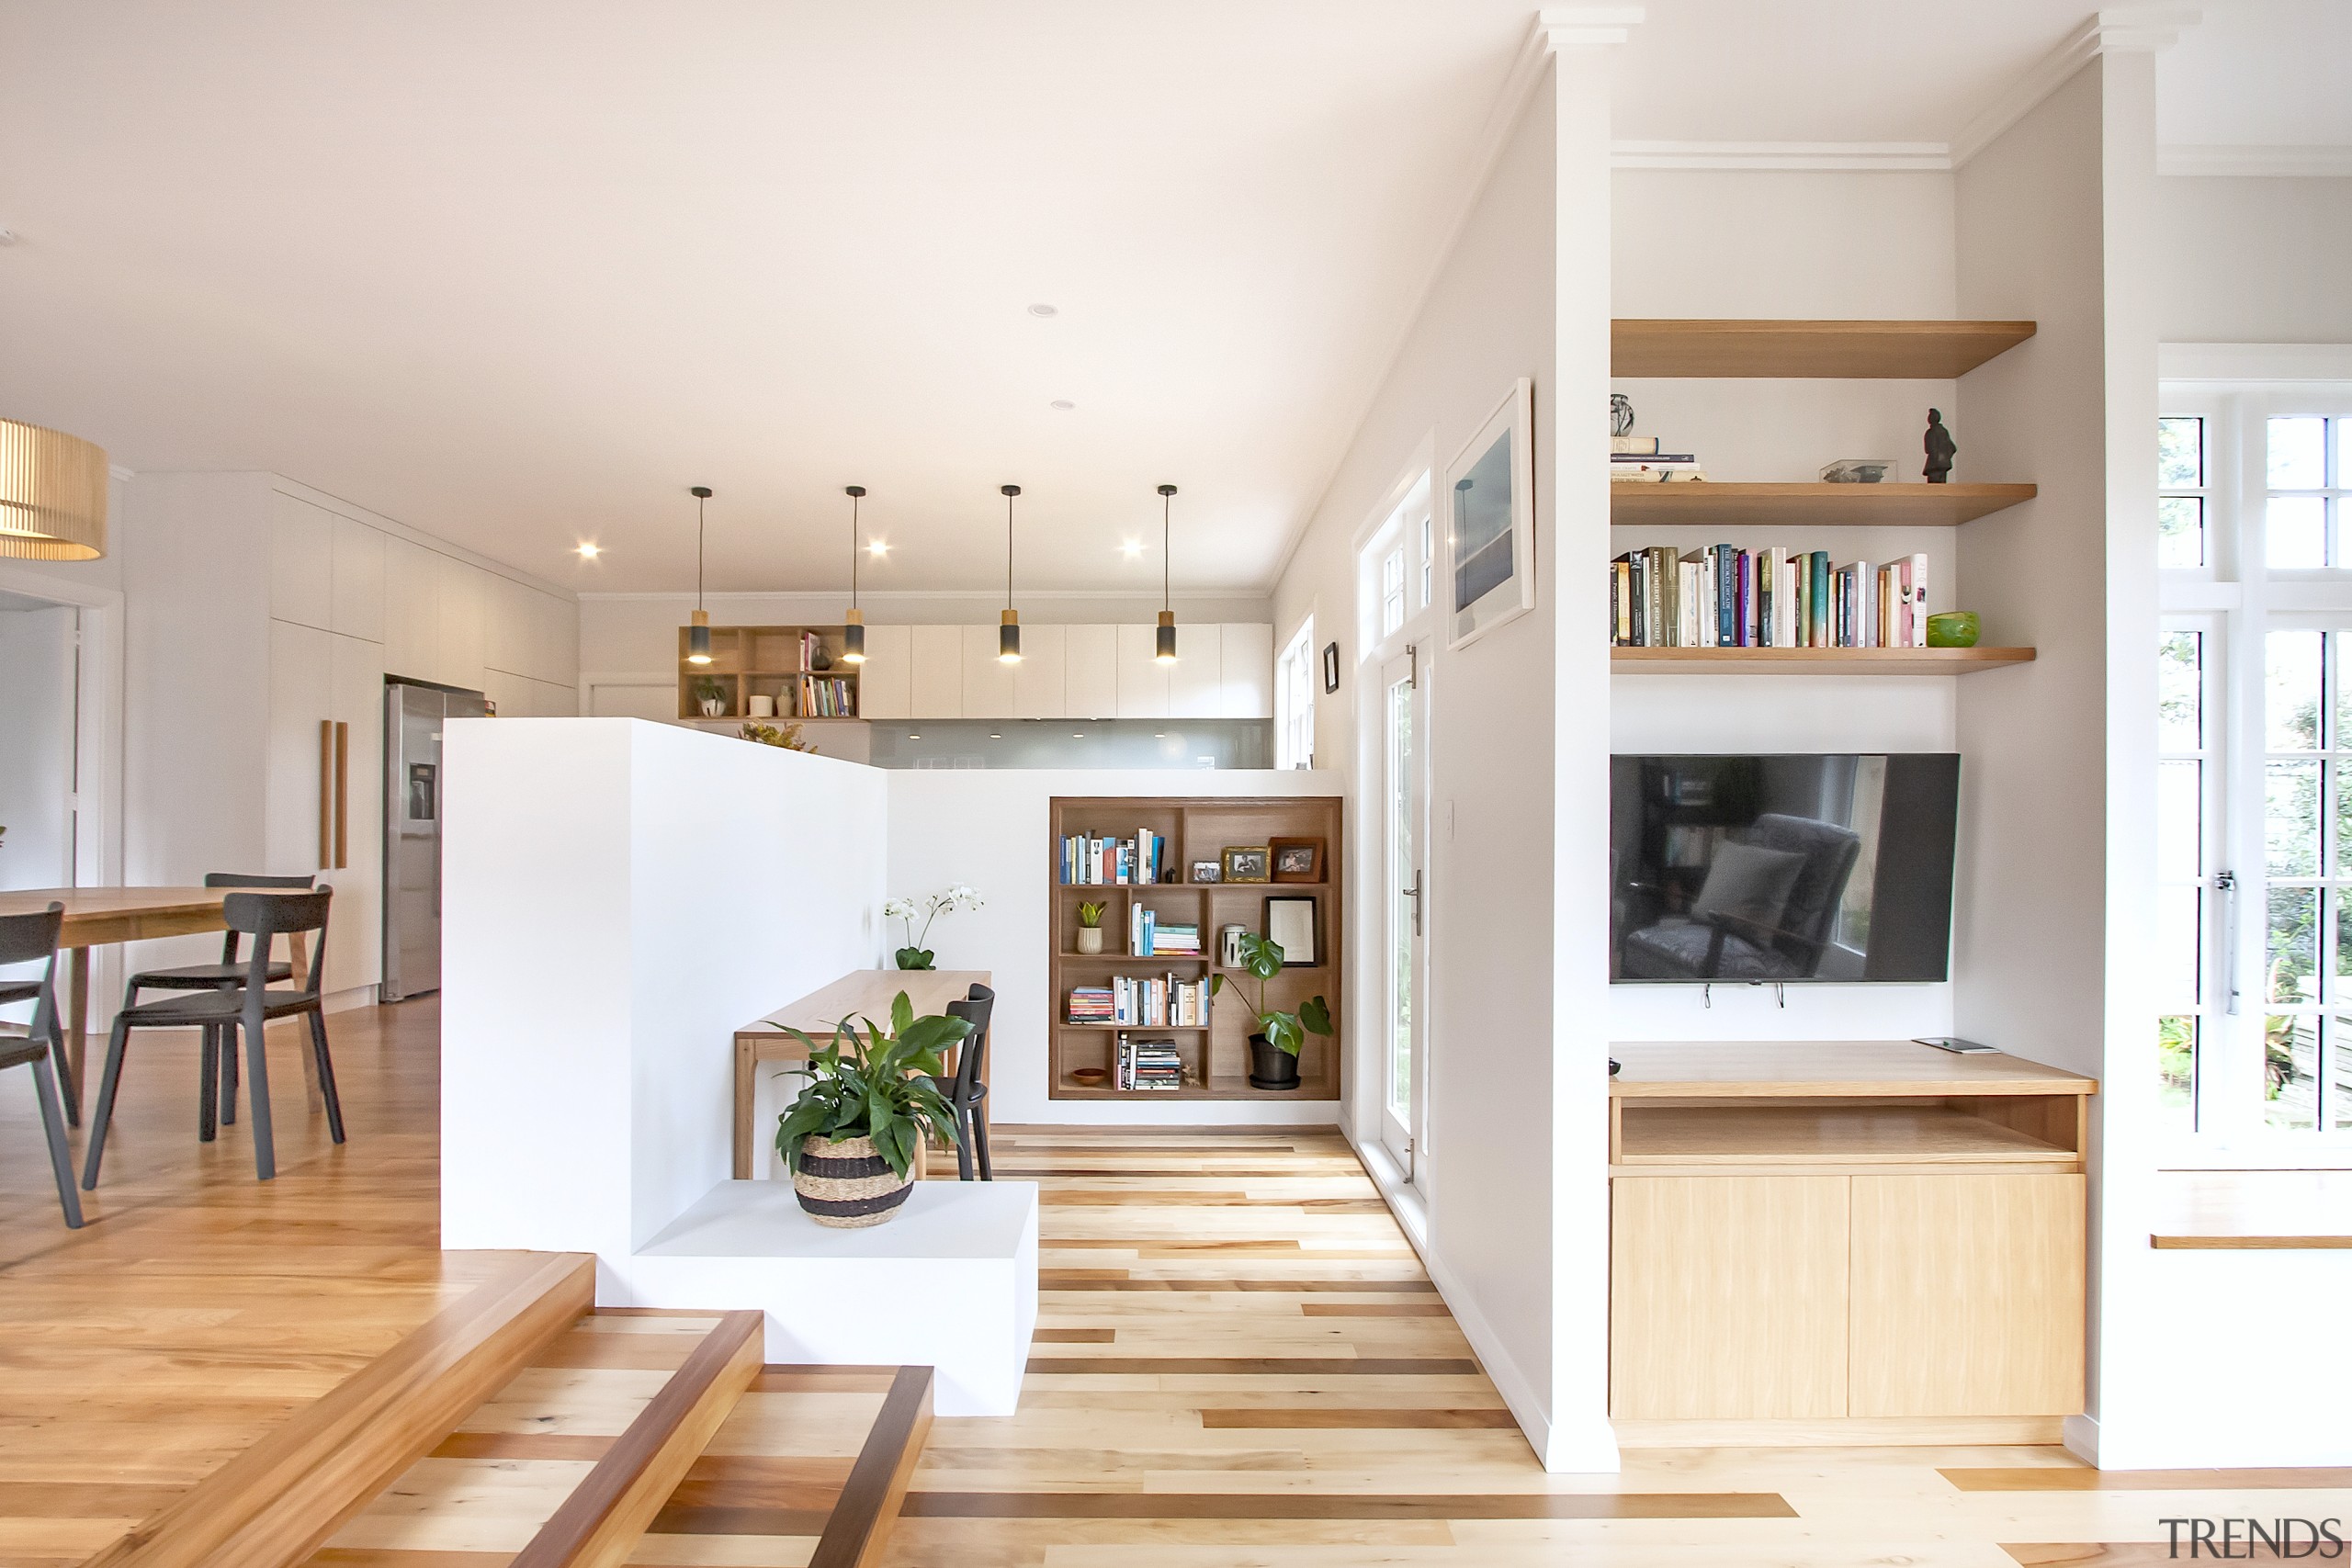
(520, 273)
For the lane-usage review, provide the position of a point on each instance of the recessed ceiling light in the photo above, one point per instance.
(994, 736)
(1074, 735)
(1063, 404)
(1044, 310)
(590, 550)
(877, 548)
(1132, 550)
(912, 736)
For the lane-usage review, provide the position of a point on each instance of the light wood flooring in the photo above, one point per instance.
(1239, 1364)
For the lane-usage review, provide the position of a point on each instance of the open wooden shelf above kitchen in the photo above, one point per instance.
(1817, 1135)
(1922, 351)
(1813, 504)
(1813, 660)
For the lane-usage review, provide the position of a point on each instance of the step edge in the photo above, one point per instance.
(867, 1508)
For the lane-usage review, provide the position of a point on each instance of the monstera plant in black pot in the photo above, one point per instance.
(1273, 1049)
(850, 1137)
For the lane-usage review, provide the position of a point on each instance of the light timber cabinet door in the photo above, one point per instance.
(882, 681)
(935, 688)
(1089, 671)
(1968, 1295)
(1728, 1297)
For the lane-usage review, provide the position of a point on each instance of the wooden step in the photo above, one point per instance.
(271, 1505)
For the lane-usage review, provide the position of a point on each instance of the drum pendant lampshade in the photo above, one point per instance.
(52, 495)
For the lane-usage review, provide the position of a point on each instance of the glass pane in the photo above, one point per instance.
(2342, 909)
(2180, 452)
(2294, 533)
(1402, 899)
(2176, 1072)
(2291, 1070)
(2180, 531)
(2180, 797)
(2340, 1078)
(2292, 687)
(2343, 428)
(2298, 453)
(2292, 948)
(1429, 559)
(2290, 819)
(2180, 696)
(2178, 909)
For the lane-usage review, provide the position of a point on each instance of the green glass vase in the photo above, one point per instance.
(1953, 629)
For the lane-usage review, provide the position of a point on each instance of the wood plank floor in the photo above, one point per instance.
(1239, 1364)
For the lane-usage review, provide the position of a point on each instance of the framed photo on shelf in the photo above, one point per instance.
(1207, 871)
(1249, 863)
(1291, 925)
(1490, 522)
(1297, 860)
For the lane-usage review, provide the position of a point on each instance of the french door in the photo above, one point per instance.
(1403, 964)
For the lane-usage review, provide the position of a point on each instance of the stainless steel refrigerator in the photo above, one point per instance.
(412, 719)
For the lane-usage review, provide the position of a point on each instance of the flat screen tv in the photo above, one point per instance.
(1782, 869)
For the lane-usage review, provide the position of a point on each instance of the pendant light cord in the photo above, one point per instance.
(1167, 601)
(853, 552)
(1008, 552)
(698, 530)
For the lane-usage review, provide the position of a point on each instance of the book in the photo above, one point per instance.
(1721, 596)
(1638, 445)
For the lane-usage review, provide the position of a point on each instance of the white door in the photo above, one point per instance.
(1403, 963)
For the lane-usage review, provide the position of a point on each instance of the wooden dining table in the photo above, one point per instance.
(99, 917)
(859, 995)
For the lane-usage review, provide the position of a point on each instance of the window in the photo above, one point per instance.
(2254, 803)
(1392, 590)
(1295, 701)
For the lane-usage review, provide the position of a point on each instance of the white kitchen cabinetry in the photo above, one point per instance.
(987, 681)
(324, 793)
(1248, 660)
(1090, 672)
(412, 609)
(301, 562)
(1143, 680)
(463, 602)
(1040, 681)
(1196, 680)
(883, 680)
(936, 672)
(359, 581)
(1068, 672)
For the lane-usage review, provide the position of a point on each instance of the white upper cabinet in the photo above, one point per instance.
(558, 641)
(1196, 680)
(464, 602)
(302, 697)
(1143, 680)
(510, 638)
(412, 609)
(988, 682)
(359, 581)
(301, 562)
(1249, 660)
(883, 688)
(1040, 680)
(935, 686)
(1090, 672)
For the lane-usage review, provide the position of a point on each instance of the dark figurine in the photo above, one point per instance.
(1941, 449)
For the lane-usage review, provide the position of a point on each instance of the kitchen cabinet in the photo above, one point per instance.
(1247, 666)
(1040, 681)
(1142, 679)
(884, 687)
(1090, 672)
(1196, 680)
(323, 811)
(987, 681)
(936, 665)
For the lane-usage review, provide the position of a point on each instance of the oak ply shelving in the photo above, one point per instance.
(1708, 501)
(1914, 351)
(1215, 1054)
(1813, 660)
(749, 661)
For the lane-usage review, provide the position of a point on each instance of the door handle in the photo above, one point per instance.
(1414, 893)
(342, 795)
(326, 794)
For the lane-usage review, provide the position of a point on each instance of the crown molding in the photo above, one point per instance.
(1866, 155)
(931, 595)
(2119, 30)
(2256, 162)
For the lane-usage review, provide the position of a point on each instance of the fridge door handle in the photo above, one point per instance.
(342, 795)
(326, 794)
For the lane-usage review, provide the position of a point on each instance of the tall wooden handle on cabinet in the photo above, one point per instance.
(342, 795)
(326, 794)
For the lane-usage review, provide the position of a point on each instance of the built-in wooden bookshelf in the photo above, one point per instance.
(1815, 661)
(748, 661)
(1216, 1055)
(1912, 351)
(1811, 505)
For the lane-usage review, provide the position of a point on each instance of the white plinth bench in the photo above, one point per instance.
(950, 1284)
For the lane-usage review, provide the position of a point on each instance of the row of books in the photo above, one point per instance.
(1147, 1065)
(1149, 937)
(1139, 860)
(820, 697)
(1149, 1001)
(1636, 459)
(1725, 597)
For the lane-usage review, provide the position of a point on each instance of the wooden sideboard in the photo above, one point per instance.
(1853, 1240)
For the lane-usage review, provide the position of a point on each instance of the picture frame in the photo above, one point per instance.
(1297, 860)
(1293, 923)
(1490, 521)
(1207, 871)
(1330, 668)
(1249, 863)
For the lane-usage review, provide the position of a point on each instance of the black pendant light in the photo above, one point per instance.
(1166, 652)
(1008, 634)
(853, 634)
(698, 634)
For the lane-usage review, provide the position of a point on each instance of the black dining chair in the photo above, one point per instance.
(964, 1091)
(224, 1016)
(230, 973)
(32, 939)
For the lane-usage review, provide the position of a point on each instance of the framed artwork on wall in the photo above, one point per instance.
(1330, 667)
(1490, 521)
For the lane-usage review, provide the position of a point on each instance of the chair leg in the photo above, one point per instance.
(257, 1097)
(326, 1073)
(104, 1114)
(60, 1162)
(962, 1141)
(57, 1054)
(228, 1074)
(980, 1142)
(208, 1082)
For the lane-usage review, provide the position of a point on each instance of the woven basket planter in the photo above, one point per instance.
(846, 1184)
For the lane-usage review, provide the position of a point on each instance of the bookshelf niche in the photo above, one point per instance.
(777, 662)
(1214, 1055)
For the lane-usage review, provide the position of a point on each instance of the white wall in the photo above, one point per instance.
(2254, 260)
(36, 755)
(619, 897)
(993, 830)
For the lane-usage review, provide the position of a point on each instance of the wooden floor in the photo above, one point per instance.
(1239, 1364)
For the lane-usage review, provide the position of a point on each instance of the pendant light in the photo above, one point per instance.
(52, 495)
(1008, 634)
(853, 634)
(1166, 652)
(698, 634)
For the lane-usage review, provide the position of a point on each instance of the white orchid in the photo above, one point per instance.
(914, 956)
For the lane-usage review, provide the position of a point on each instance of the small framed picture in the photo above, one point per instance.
(1207, 871)
(1330, 667)
(1297, 860)
(1249, 863)
(1291, 925)
(1490, 521)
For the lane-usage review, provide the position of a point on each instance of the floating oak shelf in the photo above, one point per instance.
(1884, 505)
(1813, 660)
(1923, 351)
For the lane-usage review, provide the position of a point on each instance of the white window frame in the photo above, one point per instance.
(1295, 699)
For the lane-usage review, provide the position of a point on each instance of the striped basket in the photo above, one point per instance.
(846, 1184)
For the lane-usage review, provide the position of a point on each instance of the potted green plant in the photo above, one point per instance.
(1090, 926)
(1273, 1050)
(849, 1138)
(711, 694)
(914, 954)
